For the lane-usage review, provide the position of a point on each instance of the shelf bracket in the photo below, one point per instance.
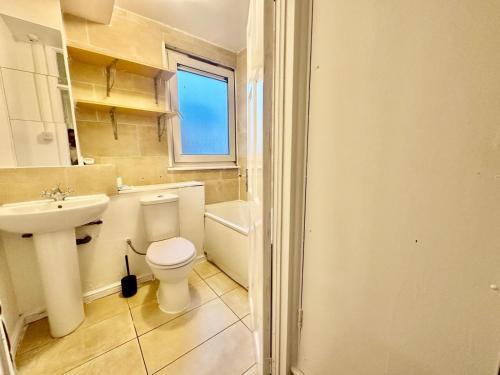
(110, 76)
(157, 84)
(161, 125)
(114, 125)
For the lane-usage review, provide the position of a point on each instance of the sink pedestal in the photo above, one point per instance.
(58, 261)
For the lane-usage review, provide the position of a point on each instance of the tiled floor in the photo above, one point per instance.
(132, 336)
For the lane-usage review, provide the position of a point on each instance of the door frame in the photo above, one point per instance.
(292, 52)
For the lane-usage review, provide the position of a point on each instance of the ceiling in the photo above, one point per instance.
(221, 22)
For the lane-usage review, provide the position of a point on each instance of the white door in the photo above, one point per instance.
(258, 262)
(401, 256)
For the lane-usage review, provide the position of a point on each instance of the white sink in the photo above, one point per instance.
(52, 224)
(45, 216)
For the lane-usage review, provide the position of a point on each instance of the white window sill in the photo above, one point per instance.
(202, 167)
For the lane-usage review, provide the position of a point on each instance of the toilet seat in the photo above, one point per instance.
(172, 253)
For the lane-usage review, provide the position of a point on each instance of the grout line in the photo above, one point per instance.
(137, 337)
(248, 369)
(190, 350)
(80, 328)
(182, 314)
(99, 355)
(220, 297)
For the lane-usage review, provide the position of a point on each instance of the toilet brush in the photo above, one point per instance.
(129, 282)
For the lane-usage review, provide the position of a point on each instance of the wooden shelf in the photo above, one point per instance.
(106, 107)
(113, 109)
(96, 56)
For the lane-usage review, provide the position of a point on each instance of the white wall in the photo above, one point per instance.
(102, 260)
(403, 189)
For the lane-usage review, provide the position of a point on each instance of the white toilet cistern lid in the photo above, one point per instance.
(158, 198)
(171, 252)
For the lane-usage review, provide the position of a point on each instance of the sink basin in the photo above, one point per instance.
(45, 216)
(53, 227)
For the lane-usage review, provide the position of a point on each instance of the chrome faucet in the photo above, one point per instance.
(56, 193)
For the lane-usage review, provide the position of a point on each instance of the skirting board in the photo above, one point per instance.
(88, 297)
(17, 335)
(107, 290)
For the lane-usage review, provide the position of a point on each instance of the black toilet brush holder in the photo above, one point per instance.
(129, 282)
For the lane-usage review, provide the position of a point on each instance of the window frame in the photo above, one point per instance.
(190, 64)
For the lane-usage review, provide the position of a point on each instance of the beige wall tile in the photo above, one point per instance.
(138, 156)
(92, 179)
(149, 145)
(86, 73)
(229, 173)
(75, 28)
(230, 352)
(201, 175)
(127, 37)
(22, 184)
(84, 114)
(221, 190)
(142, 170)
(176, 38)
(97, 139)
(175, 338)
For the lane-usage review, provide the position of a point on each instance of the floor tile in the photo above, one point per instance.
(228, 353)
(175, 338)
(237, 300)
(37, 334)
(78, 347)
(125, 359)
(104, 308)
(148, 316)
(221, 283)
(206, 269)
(251, 371)
(247, 320)
(194, 277)
(145, 293)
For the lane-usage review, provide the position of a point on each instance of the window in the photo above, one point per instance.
(203, 134)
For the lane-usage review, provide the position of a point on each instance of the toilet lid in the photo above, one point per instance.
(171, 252)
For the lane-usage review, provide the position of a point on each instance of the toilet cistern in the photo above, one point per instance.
(169, 256)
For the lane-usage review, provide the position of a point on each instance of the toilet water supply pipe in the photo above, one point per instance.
(129, 243)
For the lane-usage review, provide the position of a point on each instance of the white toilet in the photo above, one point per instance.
(170, 257)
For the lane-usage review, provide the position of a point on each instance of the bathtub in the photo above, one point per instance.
(226, 238)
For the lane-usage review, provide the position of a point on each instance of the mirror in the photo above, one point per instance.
(36, 116)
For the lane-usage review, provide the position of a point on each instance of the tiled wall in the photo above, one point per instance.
(21, 184)
(30, 103)
(139, 157)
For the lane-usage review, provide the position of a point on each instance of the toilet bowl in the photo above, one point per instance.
(171, 262)
(170, 257)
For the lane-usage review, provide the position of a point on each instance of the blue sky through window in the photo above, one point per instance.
(203, 104)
